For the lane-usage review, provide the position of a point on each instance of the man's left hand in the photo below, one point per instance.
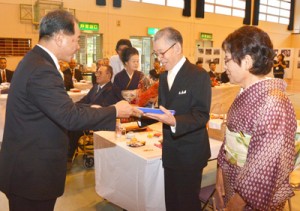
(166, 118)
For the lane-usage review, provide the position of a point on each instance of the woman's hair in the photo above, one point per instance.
(252, 41)
(55, 21)
(127, 53)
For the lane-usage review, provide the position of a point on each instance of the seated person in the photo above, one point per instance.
(103, 94)
(5, 74)
(66, 75)
(73, 71)
(129, 78)
(212, 70)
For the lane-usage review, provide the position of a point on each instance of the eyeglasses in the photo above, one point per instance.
(226, 60)
(163, 53)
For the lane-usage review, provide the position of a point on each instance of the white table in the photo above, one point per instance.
(83, 86)
(133, 178)
(3, 98)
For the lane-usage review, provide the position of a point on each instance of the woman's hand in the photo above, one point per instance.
(236, 203)
(220, 192)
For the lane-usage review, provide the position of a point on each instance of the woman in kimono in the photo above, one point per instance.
(257, 155)
(128, 79)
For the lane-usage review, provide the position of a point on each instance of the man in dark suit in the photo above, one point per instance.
(185, 89)
(73, 72)
(6, 75)
(103, 94)
(67, 76)
(33, 156)
(212, 70)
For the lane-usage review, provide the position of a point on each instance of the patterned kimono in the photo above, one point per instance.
(265, 113)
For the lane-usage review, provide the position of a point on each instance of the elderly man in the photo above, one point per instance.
(185, 89)
(103, 94)
(73, 71)
(33, 156)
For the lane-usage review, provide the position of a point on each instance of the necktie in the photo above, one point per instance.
(98, 88)
(3, 76)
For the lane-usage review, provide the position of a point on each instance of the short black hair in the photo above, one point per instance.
(55, 21)
(127, 53)
(199, 62)
(211, 62)
(252, 41)
(123, 42)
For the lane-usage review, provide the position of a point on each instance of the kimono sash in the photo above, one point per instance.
(237, 144)
(236, 147)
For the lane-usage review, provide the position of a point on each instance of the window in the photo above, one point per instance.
(14, 46)
(226, 7)
(170, 3)
(277, 11)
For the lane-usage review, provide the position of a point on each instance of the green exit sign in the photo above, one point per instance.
(84, 26)
(152, 31)
(206, 36)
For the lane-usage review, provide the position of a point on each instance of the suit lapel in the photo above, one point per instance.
(178, 84)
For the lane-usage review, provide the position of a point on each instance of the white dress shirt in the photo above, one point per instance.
(173, 72)
(117, 65)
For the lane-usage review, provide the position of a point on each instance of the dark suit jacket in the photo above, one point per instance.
(190, 97)
(68, 81)
(9, 74)
(33, 157)
(108, 95)
(77, 75)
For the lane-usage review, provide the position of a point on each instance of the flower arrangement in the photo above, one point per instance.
(213, 81)
(147, 92)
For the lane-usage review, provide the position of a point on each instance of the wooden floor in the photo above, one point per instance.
(80, 192)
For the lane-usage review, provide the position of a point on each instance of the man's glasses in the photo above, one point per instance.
(226, 60)
(155, 54)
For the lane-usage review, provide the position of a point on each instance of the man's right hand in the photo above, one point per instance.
(125, 110)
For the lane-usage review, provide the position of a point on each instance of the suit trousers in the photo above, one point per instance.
(182, 188)
(18, 203)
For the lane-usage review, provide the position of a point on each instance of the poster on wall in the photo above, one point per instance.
(297, 61)
(207, 55)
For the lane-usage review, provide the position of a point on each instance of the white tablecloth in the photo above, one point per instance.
(83, 86)
(3, 98)
(132, 178)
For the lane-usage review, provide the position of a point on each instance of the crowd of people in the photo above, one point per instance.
(253, 173)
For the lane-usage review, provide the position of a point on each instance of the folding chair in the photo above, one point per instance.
(206, 196)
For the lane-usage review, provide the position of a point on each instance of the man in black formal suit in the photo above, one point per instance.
(185, 89)
(103, 94)
(33, 156)
(5, 74)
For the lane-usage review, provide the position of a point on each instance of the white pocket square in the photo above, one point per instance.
(183, 92)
